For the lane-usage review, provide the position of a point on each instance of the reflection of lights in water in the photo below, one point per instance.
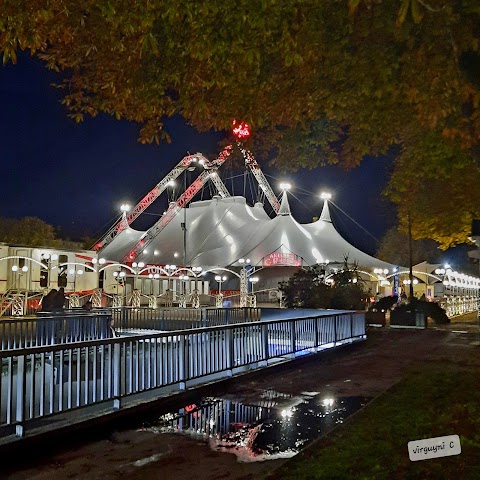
(328, 402)
(259, 431)
(287, 413)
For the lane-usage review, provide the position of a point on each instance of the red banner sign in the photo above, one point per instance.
(282, 259)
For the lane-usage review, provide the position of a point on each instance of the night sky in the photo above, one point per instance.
(75, 176)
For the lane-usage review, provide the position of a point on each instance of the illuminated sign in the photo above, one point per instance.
(282, 259)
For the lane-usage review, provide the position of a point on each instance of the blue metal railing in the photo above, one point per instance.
(78, 325)
(54, 328)
(48, 380)
(165, 319)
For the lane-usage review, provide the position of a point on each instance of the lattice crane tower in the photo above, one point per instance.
(242, 131)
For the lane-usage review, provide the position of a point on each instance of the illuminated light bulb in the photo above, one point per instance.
(150, 275)
(141, 264)
(241, 129)
(71, 271)
(122, 274)
(79, 272)
(14, 268)
(101, 261)
(325, 196)
(24, 268)
(54, 256)
(134, 264)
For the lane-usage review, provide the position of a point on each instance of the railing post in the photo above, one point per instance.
(315, 329)
(293, 343)
(20, 410)
(264, 330)
(351, 326)
(117, 376)
(229, 349)
(182, 362)
(335, 329)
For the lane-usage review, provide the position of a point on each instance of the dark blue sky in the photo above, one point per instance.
(76, 175)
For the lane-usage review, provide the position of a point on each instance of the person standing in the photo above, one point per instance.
(59, 300)
(48, 299)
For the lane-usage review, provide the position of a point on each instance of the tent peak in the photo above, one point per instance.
(284, 206)
(325, 215)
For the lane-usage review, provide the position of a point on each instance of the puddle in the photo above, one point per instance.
(274, 425)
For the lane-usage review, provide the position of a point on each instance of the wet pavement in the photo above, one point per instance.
(277, 425)
(269, 414)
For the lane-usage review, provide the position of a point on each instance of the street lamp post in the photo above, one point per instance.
(253, 281)
(183, 294)
(120, 278)
(253, 298)
(220, 280)
(195, 298)
(18, 304)
(169, 293)
(219, 300)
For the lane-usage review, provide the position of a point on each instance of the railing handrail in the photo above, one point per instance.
(149, 336)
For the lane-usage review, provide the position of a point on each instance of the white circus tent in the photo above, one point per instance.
(220, 231)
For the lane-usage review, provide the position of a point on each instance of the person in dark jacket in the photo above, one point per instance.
(88, 306)
(48, 299)
(59, 300)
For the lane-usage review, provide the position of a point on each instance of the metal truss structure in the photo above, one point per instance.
(242, 131)
(243, 287)
(210, 173)
(252, 164)
(127, 219)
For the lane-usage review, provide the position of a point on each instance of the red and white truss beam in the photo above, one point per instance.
(127, 219)
(241, 131)
(210, 173)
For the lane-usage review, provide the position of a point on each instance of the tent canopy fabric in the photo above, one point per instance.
(220, 231)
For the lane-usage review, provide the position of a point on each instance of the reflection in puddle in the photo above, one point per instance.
(273, 426)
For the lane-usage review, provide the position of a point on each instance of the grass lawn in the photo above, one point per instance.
(442, 398)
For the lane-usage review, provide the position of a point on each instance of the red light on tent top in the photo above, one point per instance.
(242, 130)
